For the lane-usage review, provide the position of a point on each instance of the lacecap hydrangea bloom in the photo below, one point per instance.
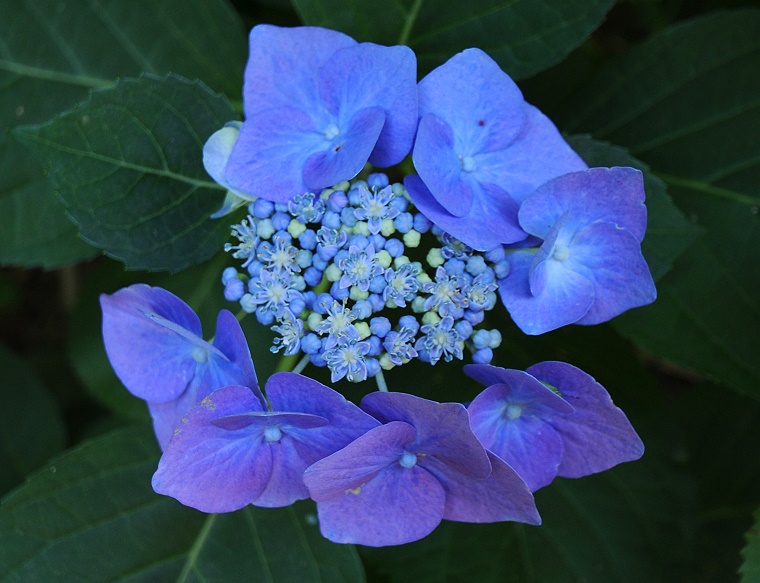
(362, 272)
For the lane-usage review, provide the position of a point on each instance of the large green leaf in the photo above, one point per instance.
(31, 428)
(750, 569)
(91, 516)
(685, 102)
(52, 53)
(127, 162)
(620, 526)
(524, 36)
(270, 545)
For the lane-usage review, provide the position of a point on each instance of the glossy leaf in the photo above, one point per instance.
(31, 427)
(750, 569)
(523, 36)
(683, 102)
(273, 545)
(102, 521)
(606, 528)
(128, 165)
(80, 45)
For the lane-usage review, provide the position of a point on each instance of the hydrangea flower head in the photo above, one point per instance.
(542, 434)
(154, 343)
(231, 451)
(589, 267)
(318, 106)
(480, 150)
(395, 483)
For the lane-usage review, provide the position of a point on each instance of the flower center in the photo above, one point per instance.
(408, 460)
(513, 411)
(200, 355)
(561, 253)
(332, 131)
(272, 434)
(468, 163)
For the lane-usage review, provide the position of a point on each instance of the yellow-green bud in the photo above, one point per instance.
(412, 239)
(430, 318)
(357, 294)
(387, 228)
(384, 258)
(333, 272)
(363, 329)
(434, 258)
(295, 228)
(385, 362)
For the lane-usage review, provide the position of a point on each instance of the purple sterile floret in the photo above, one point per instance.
(318, 106)
(231, 452)
(589, 267)
(154, 343)
(395, 483)
(480, 150)
(542, 434)
(598, 435)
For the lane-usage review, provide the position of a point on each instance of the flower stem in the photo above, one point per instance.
(301, 364)
(380, 379)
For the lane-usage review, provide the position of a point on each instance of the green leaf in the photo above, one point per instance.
(270, 545)
(750, 569)
(523, 36)
(36, 232)
(128, 165)
(31, 427)
(76, 46)
(684, 102)
(619, 526)
(668, 233)
(91, 516)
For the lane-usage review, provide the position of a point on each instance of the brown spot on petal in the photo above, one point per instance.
(209, 404)
(354, 491)
(481, 122)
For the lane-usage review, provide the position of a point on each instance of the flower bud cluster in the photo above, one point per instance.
(341, 277)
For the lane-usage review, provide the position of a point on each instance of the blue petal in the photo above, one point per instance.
(150, 335)
(370, 75)
(503, 495)
(399, 505)
(538, 154)
(345, 156)
(443, 429)
(614, 195)
(293, 392)
(364, 496)
(468, 89)
(358, 462)
(217, 150)
(270, 153)
(282, 66)
(492, 219)
(213, 469)
(597, 435)
(439, 167)
(610, 257)
(566, 295)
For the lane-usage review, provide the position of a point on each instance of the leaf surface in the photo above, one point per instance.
(127, 163)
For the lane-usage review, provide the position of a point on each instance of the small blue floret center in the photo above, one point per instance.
(408, 460)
